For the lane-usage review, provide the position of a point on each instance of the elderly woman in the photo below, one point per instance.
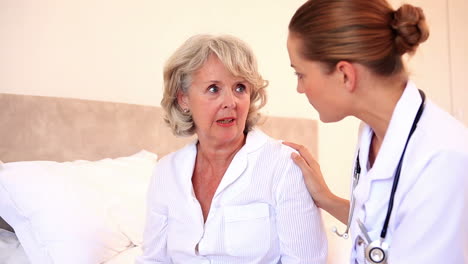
(234, 195)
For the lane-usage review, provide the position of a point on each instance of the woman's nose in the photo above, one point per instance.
(229, 100)
(300, 89)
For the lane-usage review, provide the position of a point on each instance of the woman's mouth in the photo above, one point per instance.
(225, 122)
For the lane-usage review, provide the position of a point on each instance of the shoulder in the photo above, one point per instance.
(274, 161)
(271, 147)
(182, 154)
(441, 132)
(173, 166)
(438, 152)
(269, 154)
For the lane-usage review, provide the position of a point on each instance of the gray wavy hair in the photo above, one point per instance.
(236, 56)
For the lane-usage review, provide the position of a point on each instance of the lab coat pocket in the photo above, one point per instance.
(247, 229)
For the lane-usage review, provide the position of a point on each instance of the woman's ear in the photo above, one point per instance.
(182, 100)
(348, 76)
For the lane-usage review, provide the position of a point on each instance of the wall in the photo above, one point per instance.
(114, 50)
(457, 35)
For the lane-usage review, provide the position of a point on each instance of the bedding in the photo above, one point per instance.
(126, 257)
(11, 251)
(76, 212)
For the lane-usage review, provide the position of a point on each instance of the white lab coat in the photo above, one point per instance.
(261, 211)
(429, 220)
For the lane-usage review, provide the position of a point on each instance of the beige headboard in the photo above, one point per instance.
(61, 129)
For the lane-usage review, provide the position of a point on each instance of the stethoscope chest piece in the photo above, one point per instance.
(376, 252)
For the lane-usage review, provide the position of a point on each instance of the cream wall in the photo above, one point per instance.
(458, 43)
(114, 50)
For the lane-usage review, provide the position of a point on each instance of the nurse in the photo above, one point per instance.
(410, 178)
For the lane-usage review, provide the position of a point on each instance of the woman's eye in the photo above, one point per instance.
(241, 88)
(213, 88)
(298, 75)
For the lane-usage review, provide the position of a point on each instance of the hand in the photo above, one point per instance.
(313, 177)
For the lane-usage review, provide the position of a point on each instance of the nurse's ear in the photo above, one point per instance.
(347, 75)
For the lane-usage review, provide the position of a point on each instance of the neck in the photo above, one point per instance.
(378, 99)
(218, 155)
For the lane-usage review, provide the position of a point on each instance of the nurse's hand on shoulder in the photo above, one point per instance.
(313, 177)
(318, 189)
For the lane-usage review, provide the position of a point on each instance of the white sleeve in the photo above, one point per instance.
(155, 234)
(299, 222)
(433, 218)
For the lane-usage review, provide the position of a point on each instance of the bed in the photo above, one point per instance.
(74, 173)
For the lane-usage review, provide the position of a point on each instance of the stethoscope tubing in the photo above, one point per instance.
(383, 233)
(357, 171)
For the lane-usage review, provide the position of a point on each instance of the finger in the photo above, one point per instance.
(292, 145)
(301, 162)
(309, 158)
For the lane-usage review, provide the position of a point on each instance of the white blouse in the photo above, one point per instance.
(260, 213)
(429, 219)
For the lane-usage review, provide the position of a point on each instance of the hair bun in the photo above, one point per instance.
(409, 24)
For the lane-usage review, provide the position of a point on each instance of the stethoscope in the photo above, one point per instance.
(376, 251)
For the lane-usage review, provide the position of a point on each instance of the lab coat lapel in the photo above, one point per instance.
(361, 193)
(397, 133)
(392, 147)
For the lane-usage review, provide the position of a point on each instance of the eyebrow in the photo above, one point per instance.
(293, 66)
(218, 81)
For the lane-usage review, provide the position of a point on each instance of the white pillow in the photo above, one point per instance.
(79, 212)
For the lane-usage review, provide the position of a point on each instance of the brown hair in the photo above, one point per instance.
(368, 32)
